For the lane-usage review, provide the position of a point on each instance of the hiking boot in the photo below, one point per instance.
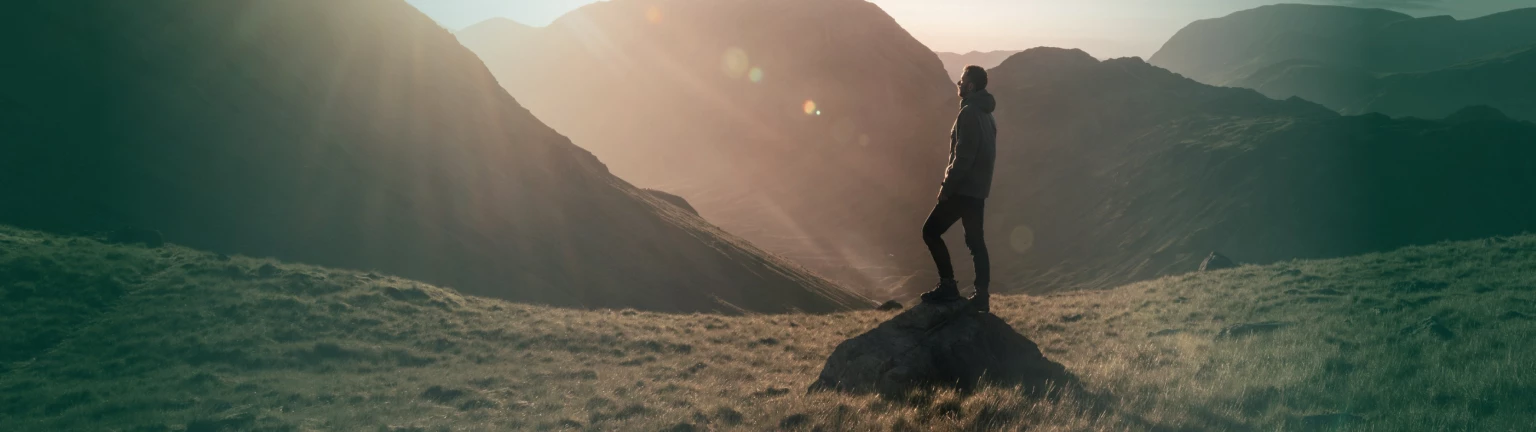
(981, 302)
(947, 291)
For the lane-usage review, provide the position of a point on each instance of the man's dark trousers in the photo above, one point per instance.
(968, 210)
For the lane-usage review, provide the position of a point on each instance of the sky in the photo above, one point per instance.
(1104, 28)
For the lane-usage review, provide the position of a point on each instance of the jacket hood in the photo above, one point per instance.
(980, 99)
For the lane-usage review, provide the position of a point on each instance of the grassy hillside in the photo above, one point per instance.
(108, 337)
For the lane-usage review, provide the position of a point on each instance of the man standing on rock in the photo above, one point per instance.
(967, 180)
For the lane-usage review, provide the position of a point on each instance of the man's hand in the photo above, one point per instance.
(943, 194)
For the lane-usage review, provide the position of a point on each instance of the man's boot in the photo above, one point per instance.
(982, 300)
(947, 291)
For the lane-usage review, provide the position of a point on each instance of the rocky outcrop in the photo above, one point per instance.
(1216, 261)
(937, 345)
(131, 235)
(674, 200)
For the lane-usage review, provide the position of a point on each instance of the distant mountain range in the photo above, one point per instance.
(1117, 171)
(817, 129)
(1366, 60)
(1503, 81)
(350, 133)
(954, 63)
(513, 36)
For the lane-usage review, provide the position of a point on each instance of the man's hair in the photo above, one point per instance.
(976, 75)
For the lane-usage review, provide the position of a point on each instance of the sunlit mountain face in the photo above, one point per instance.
(348, 133)
(816, 129)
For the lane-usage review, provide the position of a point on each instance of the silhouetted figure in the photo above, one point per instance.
(972, 149)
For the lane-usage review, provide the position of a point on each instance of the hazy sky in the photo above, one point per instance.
(1105, 28)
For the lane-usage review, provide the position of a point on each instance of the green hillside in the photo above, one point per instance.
(110, 337)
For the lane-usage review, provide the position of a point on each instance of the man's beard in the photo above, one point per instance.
(963, 93)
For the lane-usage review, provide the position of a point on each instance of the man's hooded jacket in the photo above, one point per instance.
(972, 148)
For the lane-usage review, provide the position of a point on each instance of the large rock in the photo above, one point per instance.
(937, 345)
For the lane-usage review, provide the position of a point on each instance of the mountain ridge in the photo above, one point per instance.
(1221, 51)
(354, 134)
(1162, 170)
(955, 62)
(815, 129)
(1496, 80)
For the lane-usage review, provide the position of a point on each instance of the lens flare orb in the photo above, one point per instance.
(1022, 239)
(734, 63)
(810, 108)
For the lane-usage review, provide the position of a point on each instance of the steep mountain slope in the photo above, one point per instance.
(817, 129)
(1224, 50)
(1432, 337)
(954, 63)
(1119, 171)
(347, 133)
(1502, 81)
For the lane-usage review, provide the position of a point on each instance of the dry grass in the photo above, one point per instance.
(1425, 338)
